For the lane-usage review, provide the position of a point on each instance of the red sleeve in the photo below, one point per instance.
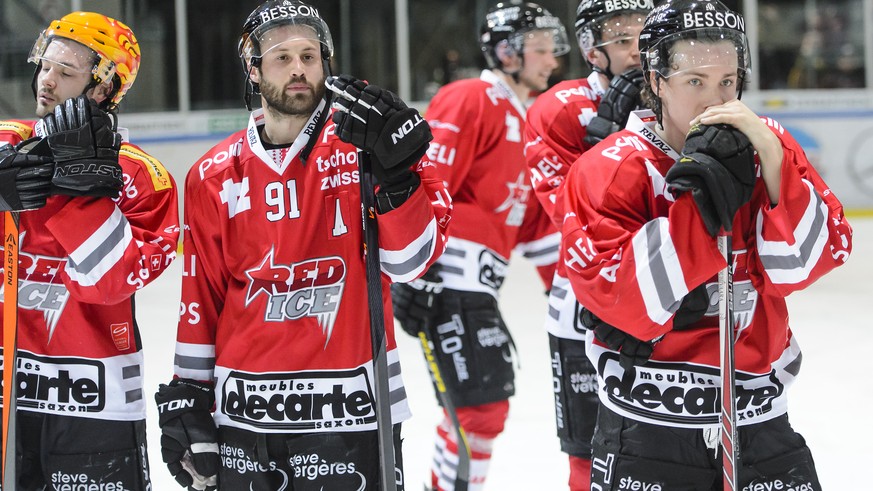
(204, 281)
(414, 235)
(630, 253)
(124, 243)
(538, 241)
(454, 118)
(806, 234)
(554, 131)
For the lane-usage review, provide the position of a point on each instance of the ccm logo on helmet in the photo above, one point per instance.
(713, 19)
(288, 11)
(613, 5)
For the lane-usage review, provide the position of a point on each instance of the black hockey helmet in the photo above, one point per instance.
(706, 22)
(259, 25)
(507, 24)
(692, 20)
(591, 17)
(597, 24)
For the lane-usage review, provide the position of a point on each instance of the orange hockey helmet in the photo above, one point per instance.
(117, 51)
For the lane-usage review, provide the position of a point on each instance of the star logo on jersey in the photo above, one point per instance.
(310, 288)
(516, 200)
(236, 196)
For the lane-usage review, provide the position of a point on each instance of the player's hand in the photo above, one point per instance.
(417, 301)
(85, 147)
(718, 167)
(189, 438)
(632, 351)
(379, 123)
(693, 307)
(25, 178)
(621, 98)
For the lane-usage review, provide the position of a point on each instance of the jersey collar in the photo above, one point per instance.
(253, 137)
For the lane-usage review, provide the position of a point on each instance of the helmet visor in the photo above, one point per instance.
(552, 29)
(618, 29)
(697, 49)
(71, 55)
(271, 35)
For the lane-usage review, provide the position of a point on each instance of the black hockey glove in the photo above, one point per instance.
(632, 351)
(379, 123)
(25, 176)
(395, 191)
(189, 438)
(416, 302)
(622, 97)
(718, 167)
(692, 309)
(85, 147)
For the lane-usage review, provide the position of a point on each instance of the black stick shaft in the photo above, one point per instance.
(377, 325)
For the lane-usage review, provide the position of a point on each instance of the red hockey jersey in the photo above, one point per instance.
(556, 127)
(633, 251)
(81, 261)
(478, 150)
(274, 292)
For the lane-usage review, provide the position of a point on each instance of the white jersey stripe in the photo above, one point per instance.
(543, 251)
(791, 263)
(406, 264)
(97, 255)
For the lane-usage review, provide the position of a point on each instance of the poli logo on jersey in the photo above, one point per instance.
(310, 288)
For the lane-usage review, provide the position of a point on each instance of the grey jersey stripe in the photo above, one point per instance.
(799, 261)
(130, 371)
(132, 395)
(194, 362)
(412, 263)
(100, 252)
(545, 251)
(658, 269)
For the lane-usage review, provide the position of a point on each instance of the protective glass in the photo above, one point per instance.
(623, 29)
(702, 48)
(267, 37)
(550, 26)
(71, 55)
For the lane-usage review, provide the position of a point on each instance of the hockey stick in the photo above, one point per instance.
(377, 325)
(10, 346)
(462, 477)
(729, 442)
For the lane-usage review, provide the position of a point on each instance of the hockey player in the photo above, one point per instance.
(274, 334)
(478, 128)
(562, 124)
(643, 208)
(100, 225)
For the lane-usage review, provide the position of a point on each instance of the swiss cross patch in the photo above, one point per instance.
(155, 262)
(236, 196)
